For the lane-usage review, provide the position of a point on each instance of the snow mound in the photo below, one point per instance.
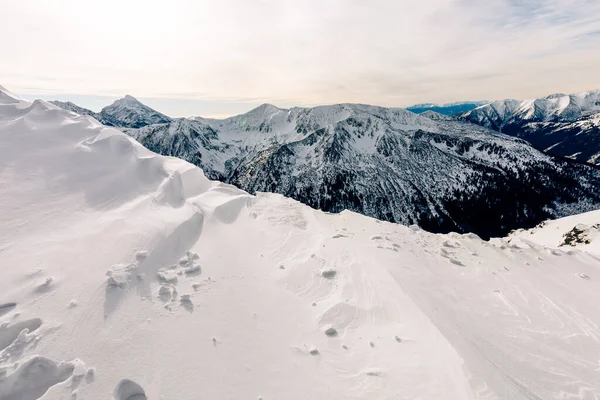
(407, 314)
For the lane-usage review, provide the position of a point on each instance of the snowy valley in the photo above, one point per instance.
(129, 275)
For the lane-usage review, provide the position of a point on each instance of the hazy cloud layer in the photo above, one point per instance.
(387, 52)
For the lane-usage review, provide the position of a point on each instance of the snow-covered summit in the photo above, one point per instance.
(128, 112)
(560, 124)
(436, 116)
(126, 275)
(553, 108)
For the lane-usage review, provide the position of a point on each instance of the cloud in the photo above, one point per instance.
(388, 52)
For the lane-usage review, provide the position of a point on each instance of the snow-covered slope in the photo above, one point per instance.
(128, 112)
(580, 231)
(128, 275)
(437, 116)
(563, 125)
(383, 162)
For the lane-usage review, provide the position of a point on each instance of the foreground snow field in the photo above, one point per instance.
(128, 275)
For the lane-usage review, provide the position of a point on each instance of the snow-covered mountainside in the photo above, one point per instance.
(446, 109)
(128, 275)
(128, 112)
(390, 164)
(581, 231)
(437, 116)
(563, 125)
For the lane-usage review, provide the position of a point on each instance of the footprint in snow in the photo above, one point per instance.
(329, 273)
(331, 331)
(186, 302)
(129, 390)
(167, 292)
(45, 286)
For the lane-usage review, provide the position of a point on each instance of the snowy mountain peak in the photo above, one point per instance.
(436, 116)
(561, 124)
(127, 101)
(266, 107)
(263, 111)
(552, 108)
(129, 112)
(556, 96)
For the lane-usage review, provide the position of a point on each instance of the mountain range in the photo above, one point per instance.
(559, 124)
(440, 173)
(446, 109)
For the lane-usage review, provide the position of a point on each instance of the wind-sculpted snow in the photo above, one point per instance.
(390, 164)
(129, 275)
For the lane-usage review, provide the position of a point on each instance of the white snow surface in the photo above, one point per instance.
(128, 275)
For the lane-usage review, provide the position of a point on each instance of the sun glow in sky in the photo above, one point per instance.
(217, 58)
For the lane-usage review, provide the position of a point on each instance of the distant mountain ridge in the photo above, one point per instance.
(560, 124)
(127, 112)
(67, 105)
(446, 109)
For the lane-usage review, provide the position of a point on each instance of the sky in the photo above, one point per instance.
(216, 58)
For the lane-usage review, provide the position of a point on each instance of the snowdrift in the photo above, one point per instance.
(128, 275)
